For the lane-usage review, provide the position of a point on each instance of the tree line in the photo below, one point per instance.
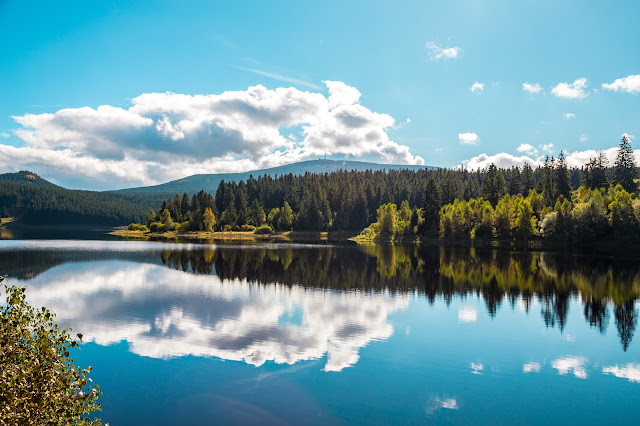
(493, 203)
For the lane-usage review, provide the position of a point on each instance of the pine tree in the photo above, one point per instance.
(527, 179)
(562, 178)
(431, 203)
(625, 170)
(493, 186)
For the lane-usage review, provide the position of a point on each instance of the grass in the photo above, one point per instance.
(282, 236)
(6, 220)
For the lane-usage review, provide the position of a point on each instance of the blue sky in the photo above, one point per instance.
(413, 65)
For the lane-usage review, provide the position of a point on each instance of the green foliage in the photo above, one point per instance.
(208, 220)
(493, 185)
(256, 216)
(387, 219)
(155, 226)
(264, 229)
(285, 221)
(39, 383)
(137, 227)
(247, 228)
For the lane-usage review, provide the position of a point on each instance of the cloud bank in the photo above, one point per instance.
(165, 136)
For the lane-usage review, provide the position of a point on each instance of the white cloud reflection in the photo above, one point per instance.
(467, 314)
(164, 313)
(531, 367)
(630, 372)
(571, 364)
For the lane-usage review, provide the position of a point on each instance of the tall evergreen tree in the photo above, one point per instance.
(625, 170)
(431, 203)
(493, 186)
(562, 178)
(527, 179)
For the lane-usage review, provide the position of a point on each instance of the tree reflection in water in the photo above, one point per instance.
(602, 284)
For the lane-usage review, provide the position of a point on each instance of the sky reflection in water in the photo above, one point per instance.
(415, 334)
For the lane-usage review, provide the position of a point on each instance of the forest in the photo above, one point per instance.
(37, 202)
(553, 202)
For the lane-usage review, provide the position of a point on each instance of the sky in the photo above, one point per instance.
(107, 95)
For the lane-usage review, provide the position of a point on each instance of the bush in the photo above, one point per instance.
(39, 383)
(227, 228)
(264, 229)
(185, 226)
(137, 227)
(155, 226)
(247, 228)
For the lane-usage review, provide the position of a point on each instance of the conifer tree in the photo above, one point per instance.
(625, 166)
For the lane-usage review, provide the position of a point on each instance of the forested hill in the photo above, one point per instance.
(35, 201)
(28, 178)
(210, 182)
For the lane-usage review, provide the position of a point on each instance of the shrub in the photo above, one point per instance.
(39, 383)
(185, 226)
(264, 229)
(247, 228)
(137, 227)
(155, 226)
(227, 228)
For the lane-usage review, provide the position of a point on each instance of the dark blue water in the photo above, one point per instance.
(280, 334)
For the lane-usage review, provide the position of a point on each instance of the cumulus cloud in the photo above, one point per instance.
(477, 87)
(468, 138)
(506, 160)
(437, 52)
(531, 87)
(502, 160)
(164, 136)
(630, 84)
(548, 148)
(575, 90)
(527, 149)
(568, 115)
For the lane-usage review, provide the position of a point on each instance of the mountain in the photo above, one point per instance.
(209, 182)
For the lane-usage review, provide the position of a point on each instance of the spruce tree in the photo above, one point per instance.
(562, 178)
(493, 186)
(431, 202)
(625, 170)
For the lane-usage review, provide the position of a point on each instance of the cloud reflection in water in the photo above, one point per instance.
(164, 313)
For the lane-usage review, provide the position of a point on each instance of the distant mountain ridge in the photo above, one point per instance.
(209, 182)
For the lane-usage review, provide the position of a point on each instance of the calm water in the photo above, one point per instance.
(191, 334)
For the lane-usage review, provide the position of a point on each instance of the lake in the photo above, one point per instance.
(304, 334)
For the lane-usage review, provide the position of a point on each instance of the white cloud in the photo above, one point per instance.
(341, 94)
(584, 138)
(630, 137)
(568, 115)
(165, 136)
(477, 87)
(575, 90)
(467, 314)
(548, 148)
(506, 160)
(468, 138)
(527, 149)
(531, 367)
(502, 160)
(630, 372)
(5, 135)
(437, 52)
(630, 84)
(531, 88)
(571, 364)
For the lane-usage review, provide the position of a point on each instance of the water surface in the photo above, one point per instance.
(300, 334)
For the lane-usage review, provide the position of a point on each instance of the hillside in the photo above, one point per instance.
(27, 178)
(36, 201)
(209, 182)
